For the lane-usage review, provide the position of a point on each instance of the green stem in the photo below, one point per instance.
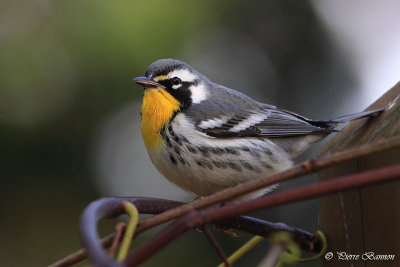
(130, 229)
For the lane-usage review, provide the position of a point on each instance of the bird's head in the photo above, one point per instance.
(177, 78)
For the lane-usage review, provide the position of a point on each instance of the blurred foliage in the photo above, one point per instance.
(65, 65)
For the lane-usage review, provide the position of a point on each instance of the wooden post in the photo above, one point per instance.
(365, 219)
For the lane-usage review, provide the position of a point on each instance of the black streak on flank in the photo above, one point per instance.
(220, 164)
(265, 165)
(232, 150)
(177, 150)
(247, 165)
(204, 164)
(168, 141)
(177, 140)
(255, 154)
(268, 152)
(173, 160)
(204, 151)
(216, 164)
(184, 139)
(235, 166)
(181, 160)
(191, 149)
(171, 131)
(217, 150)
(209, 165)
(162, 132)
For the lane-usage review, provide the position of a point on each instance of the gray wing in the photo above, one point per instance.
(223, 119)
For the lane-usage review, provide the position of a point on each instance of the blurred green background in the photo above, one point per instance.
(69, 110)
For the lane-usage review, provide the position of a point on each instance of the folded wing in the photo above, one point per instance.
(222, 119)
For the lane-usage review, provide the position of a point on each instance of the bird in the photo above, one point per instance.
(204, 137)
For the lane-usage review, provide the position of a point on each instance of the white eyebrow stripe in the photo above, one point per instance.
(183, 74)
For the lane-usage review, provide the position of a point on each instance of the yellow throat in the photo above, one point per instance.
(157, 109)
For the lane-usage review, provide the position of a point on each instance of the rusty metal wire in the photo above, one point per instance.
(119, 231)
(216, 246)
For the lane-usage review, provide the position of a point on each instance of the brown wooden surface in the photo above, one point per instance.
(366, 219)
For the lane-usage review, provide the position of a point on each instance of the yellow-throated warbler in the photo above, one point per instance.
(205, 137)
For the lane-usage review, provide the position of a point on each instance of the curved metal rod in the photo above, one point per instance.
(111, 208)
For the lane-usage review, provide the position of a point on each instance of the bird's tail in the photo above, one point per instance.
(333, 122)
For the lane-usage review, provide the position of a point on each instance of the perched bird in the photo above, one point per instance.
(205, 137)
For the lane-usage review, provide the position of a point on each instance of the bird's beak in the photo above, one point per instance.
(147, 83)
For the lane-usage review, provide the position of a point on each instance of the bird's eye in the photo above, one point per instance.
(176, 81)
